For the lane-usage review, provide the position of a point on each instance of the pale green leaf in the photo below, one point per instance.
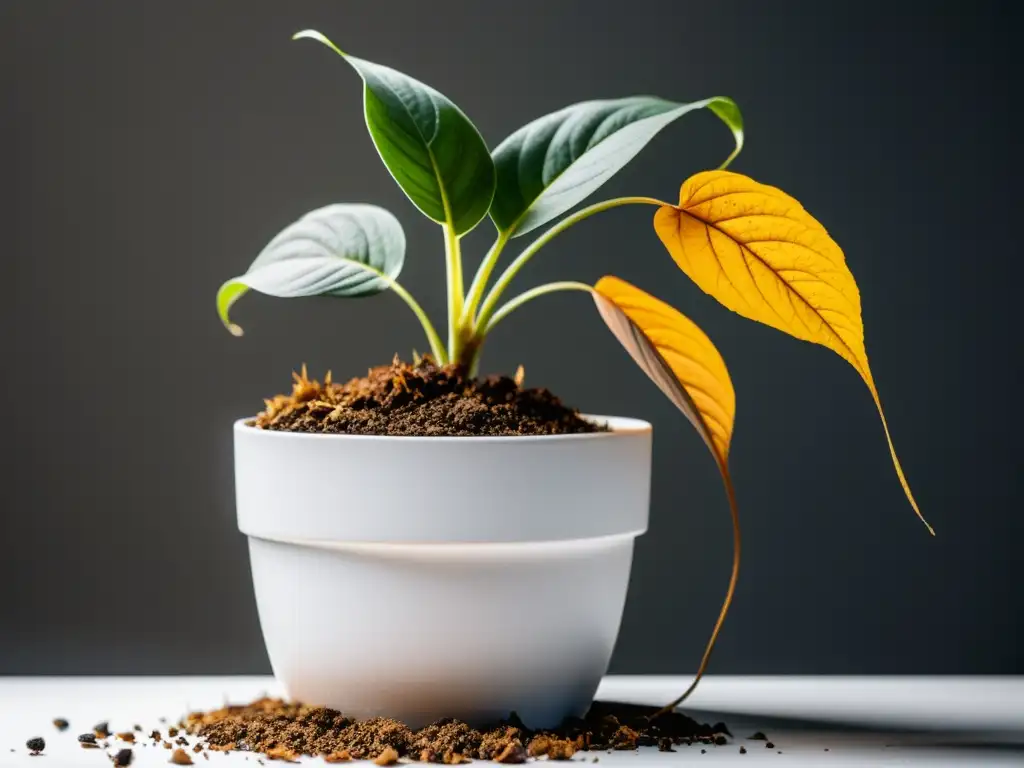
(346, 250)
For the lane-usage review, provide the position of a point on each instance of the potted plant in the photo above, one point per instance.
(380, 591)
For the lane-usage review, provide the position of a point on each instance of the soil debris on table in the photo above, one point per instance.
(421, 399)
(180, 757)
(60, 723)
(36, 745)
(285, 731)
(102, 730)
(123, 758)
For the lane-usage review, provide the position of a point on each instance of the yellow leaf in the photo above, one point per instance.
(682, 361)
(756, 250)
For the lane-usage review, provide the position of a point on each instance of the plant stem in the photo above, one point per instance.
(488, 308)
(513, 304)
(453, 266)
(737, 543)
(483, 274)
(436, 345)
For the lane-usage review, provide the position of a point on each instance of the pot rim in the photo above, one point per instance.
(619, 426)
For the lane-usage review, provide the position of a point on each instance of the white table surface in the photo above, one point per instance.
(861, 721)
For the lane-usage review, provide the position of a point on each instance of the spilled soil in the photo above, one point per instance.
(284, 731)
(421, 399)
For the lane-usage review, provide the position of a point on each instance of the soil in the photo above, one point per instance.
(420, 399)
(286, 731)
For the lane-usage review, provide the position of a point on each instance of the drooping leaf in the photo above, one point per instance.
(756, 250)
(344, 250)
(681, 360)
(431, 148)
(549, 165)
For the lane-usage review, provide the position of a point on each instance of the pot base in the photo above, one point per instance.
(419, 632)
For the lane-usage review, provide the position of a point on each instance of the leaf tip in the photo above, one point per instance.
(312, 34)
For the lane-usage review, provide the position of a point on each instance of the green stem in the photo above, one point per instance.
(488, 308)
(483, 274)
(436, 345)
(453, 264)
(513, 304)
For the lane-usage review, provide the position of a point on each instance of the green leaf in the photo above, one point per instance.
(344, 250)
(431, 148)
(549, 165)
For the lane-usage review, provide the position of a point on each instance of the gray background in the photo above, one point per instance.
(149, 149)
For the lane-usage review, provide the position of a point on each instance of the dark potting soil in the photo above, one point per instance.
(286, 730)
(420, 399)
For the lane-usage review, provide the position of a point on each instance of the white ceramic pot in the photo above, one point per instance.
(429, 577)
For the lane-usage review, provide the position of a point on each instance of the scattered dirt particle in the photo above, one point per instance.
(36, 745)
(388, 757)
(341, 756)
(624, 738)
(155, 735)
(197, 748)
(513, 752)
(60, 723)
(553, 748)
(769, 745)
(180, 757)
(181, 741)
(127, 736)
(102, 730)
(757, 736)
(137, 728)
(89, 745)
(665, 745)
(703, 751)
(167, 745)
(420, 399)
(122, 758)
(87, 738)
(743, 750)
(538, 747)
(172, 731)
(720, 740)
(561, 749)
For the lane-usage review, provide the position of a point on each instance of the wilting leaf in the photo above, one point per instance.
(430, 147)
(756, 250)
(682, 361)
(549, 165)
(341, 250)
